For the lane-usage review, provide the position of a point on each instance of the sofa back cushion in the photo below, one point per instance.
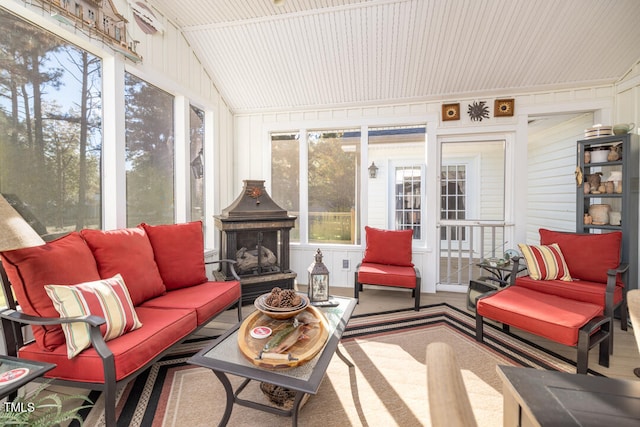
(66, 261)
(588, 256)
(128, 252)
(390, 247)
(179, 253)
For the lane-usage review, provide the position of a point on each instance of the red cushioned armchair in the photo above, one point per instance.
(387, 262)
(597, 275)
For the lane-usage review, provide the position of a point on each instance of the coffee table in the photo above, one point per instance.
(224, 357)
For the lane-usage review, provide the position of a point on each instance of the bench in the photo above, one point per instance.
(569, 322)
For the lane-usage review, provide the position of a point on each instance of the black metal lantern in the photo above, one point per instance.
(373, 170)
(318, 280)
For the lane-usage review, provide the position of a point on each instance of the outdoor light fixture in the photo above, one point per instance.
(197, 166)
(318, 280)
(373, 170)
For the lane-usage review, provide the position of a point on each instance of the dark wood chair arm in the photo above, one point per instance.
(231, 268)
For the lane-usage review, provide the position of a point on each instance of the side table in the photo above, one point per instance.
(9, 363)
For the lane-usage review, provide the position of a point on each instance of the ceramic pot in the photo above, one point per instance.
(615, 218)
(600, 214)
(613, 154)
(608, 187)
(622, 128)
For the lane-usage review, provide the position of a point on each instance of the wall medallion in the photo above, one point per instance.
(450, 112)
(478, 110)
(503, 107)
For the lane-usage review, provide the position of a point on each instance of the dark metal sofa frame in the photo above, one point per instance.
(13, 320)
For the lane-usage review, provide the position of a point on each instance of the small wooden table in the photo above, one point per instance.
(534, 397)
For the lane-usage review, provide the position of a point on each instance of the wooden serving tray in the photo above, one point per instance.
(301, 352)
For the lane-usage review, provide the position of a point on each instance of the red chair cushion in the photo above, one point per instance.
(588, 256)
(390, 247)
(549, 316)
(64, 261)
(127, 251)
(179, 253)
(387, 275)
(207, 299)
(579, 290)
(162, 329)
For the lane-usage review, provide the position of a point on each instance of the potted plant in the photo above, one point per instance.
(38, 409)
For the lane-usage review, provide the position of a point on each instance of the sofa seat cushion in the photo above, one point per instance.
(179, 253)
(127, 252)
(588, 256)
(549, 316)
(388, 275)
(207, 299)
(64, 261)
(579, 290)
(161, 329)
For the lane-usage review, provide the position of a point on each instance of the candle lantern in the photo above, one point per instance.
(318, 280)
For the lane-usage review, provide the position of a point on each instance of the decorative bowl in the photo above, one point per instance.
(280, 313)
(598, 131)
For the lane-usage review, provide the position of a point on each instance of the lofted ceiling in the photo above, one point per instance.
(327, 53)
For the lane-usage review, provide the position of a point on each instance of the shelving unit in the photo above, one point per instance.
(624, 201)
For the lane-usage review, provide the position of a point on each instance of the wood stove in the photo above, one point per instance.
(254, 231)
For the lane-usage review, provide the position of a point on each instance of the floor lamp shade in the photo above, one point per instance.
(15, 232)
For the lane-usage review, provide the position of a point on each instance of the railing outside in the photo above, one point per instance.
(464, 244)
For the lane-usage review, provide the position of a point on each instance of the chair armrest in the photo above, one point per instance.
(515, 263)
(14, 339)
(16, 316)
(612, 275)
(231, 268)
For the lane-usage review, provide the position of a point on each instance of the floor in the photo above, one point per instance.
(624, 359)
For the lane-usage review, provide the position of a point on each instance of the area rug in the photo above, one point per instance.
(386, 387)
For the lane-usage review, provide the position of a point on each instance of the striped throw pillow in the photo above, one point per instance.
(545, 262)
(108, 298)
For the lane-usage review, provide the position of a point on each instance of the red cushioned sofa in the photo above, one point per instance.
(164, 271)
(597, 274)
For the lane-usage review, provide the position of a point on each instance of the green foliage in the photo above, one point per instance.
(42, 410)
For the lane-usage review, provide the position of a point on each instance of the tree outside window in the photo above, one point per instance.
(50, 114)
(149, 153)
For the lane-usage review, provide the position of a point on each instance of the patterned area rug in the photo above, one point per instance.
(386, 387)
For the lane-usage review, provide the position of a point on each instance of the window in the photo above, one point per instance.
(149, 153)
(453, 184)
(396, 196)
(334, 199)
(51, 139)
(196, 151)
(285, 175)
(408, 199)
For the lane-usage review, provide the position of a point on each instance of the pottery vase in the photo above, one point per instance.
(613, 154)
(608, 187)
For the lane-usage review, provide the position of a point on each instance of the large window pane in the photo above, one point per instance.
(196, 150)
(149, 153)
(397, 195)
(51, 139)
(285, 175)
(334, 186)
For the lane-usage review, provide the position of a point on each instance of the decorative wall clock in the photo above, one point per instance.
(503, 107)
(478, 110)
(450, 112)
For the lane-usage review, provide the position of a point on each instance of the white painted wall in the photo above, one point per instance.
(251, 146)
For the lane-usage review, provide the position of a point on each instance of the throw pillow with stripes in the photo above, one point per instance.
(108, 298)
(545, 262)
